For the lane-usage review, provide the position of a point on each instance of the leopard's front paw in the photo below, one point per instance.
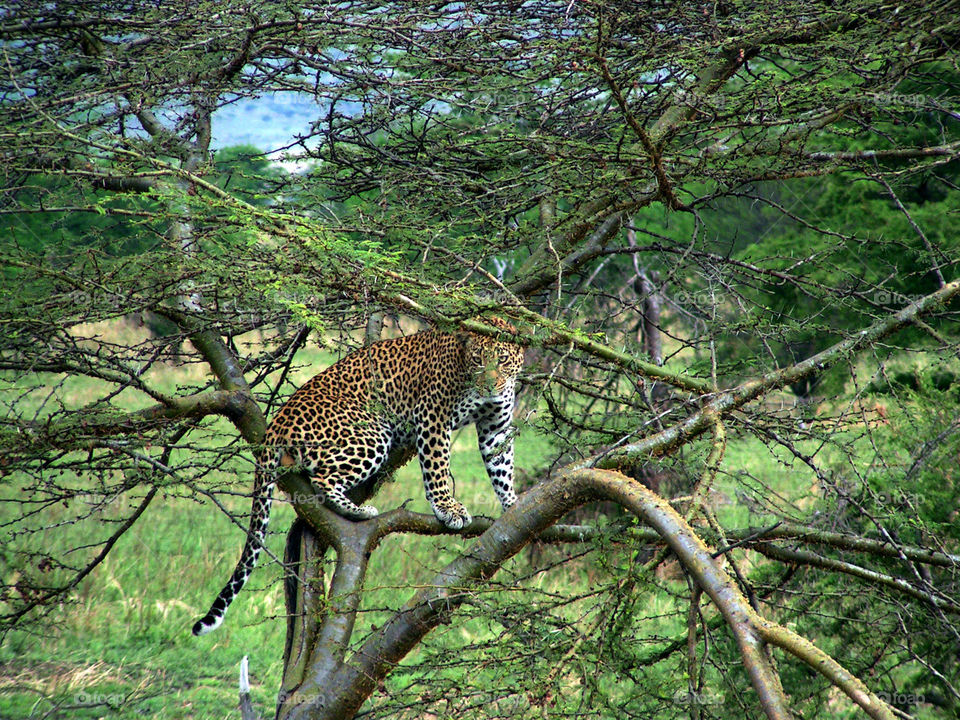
(452, 514)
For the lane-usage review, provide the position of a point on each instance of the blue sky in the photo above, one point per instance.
(269, 122)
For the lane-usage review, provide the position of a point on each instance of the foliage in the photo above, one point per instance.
(765, 191)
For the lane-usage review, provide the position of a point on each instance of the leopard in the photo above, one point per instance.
(369, 413)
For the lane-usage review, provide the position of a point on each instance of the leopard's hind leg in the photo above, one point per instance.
(361, 453)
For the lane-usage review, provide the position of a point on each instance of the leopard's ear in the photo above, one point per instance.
(472, 345)
(497, 322)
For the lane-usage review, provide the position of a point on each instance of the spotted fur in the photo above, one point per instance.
(369, 413)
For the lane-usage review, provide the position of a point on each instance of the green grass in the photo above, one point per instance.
(124, 639)
(127, 627)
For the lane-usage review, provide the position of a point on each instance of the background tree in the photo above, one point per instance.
(778, 179)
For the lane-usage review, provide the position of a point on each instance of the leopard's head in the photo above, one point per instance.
(495, 363)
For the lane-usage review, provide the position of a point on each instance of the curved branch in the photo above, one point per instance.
(854, 543)
(245, 412)
(748, 626)
(339, 694)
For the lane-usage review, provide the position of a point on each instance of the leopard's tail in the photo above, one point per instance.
(256, 534)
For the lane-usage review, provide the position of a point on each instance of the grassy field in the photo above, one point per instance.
(121, 647)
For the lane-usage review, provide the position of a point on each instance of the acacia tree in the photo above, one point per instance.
(605, 176)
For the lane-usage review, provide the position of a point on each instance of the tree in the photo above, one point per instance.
(558, 164)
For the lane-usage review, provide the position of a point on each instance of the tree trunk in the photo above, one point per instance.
(304, 594)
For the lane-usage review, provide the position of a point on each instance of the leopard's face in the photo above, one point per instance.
(496, 364)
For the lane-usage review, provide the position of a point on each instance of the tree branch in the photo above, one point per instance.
(11, 618)
(873, 577)
(77, 432)
(726, 402)
(340, 694)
